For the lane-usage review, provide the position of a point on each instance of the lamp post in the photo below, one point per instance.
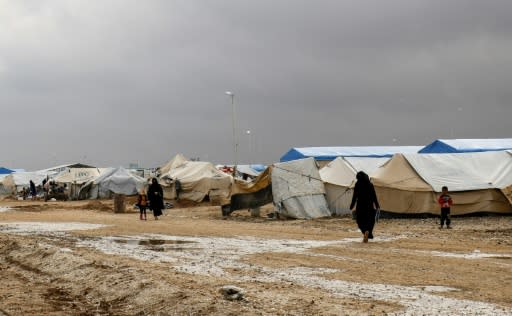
(235, 141)
(248, 132)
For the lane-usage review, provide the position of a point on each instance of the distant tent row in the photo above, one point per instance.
(79, 181)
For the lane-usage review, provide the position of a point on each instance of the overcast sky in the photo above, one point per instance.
(110, 82)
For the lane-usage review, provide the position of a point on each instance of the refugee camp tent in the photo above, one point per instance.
(15, 182)
(323, 154)
(251, 194)
(478, 182)
(112, 181)
(339, 178)
(443, 146)
(199, 179)
(172, 164)
(73, 179)
(298, 190)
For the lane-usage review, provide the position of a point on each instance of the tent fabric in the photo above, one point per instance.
(77, 175)
(478, 182)
(198, 179)
(298, 190)
(339, 177)
(464, 171)
(172, 164)
(467, 145)
(331, 153)
(112, 181)
(15, 182)
(252, 194)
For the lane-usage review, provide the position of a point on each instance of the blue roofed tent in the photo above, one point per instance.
(331, 153)
(5, 170)
(443, 146)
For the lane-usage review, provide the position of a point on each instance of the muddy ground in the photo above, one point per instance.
(79, 258)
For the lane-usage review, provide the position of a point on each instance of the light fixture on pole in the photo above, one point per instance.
(235, 142)
(248, 132)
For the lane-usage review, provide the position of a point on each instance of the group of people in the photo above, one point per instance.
(367, 206)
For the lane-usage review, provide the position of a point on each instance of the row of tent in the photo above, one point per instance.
(404, 183)
(440, 146)
(407, 183)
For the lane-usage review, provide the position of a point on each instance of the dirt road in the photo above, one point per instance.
(79, 258)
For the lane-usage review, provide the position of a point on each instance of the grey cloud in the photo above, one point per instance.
(130, 81)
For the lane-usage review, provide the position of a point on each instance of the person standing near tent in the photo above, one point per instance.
(33, 191)
(142, 203)
(367, 205)
(177, 187)
(445, 201)
(156, 198)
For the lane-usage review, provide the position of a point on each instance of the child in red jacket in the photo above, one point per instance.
(445, 201)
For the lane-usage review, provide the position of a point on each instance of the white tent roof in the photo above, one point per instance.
(342, 170)
(23, 178)
(464, 171)
(77, 175)
(120, 181)
(176, 161)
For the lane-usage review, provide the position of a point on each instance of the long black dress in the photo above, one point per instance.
(156, 198)
(366, 199)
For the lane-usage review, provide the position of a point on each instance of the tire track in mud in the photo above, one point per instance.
(34, 291)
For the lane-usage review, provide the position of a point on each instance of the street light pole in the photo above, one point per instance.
(235, 141)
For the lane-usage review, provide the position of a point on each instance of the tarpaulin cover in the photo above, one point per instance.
(298, 190)
(331, 153)
(467, 145)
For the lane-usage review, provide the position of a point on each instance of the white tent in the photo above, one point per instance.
(112, 181)
(74, 178)
(198, 180)
(478, 182)
(15, 182)
(339, 178)
(176, 161)
(298, 190)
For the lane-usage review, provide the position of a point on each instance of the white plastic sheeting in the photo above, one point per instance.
(464, 171)
(113, 180)
(298, 190)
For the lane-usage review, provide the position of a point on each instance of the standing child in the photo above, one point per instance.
(445, 201)
(142, 202)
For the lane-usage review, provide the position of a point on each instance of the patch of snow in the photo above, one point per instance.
(214, 256)
(472, 255)
(43, 228)
(5, 209)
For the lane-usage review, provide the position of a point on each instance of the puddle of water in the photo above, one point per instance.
(152, 242)
(158, 245)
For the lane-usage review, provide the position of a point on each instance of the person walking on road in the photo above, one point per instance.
(367, 205)
(156, 198)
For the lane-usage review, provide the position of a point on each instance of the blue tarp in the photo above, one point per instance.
(443, 146)
(331, 153)
(5, 170)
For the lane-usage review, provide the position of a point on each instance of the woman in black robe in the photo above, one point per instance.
(367, 205)
(156, 198)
